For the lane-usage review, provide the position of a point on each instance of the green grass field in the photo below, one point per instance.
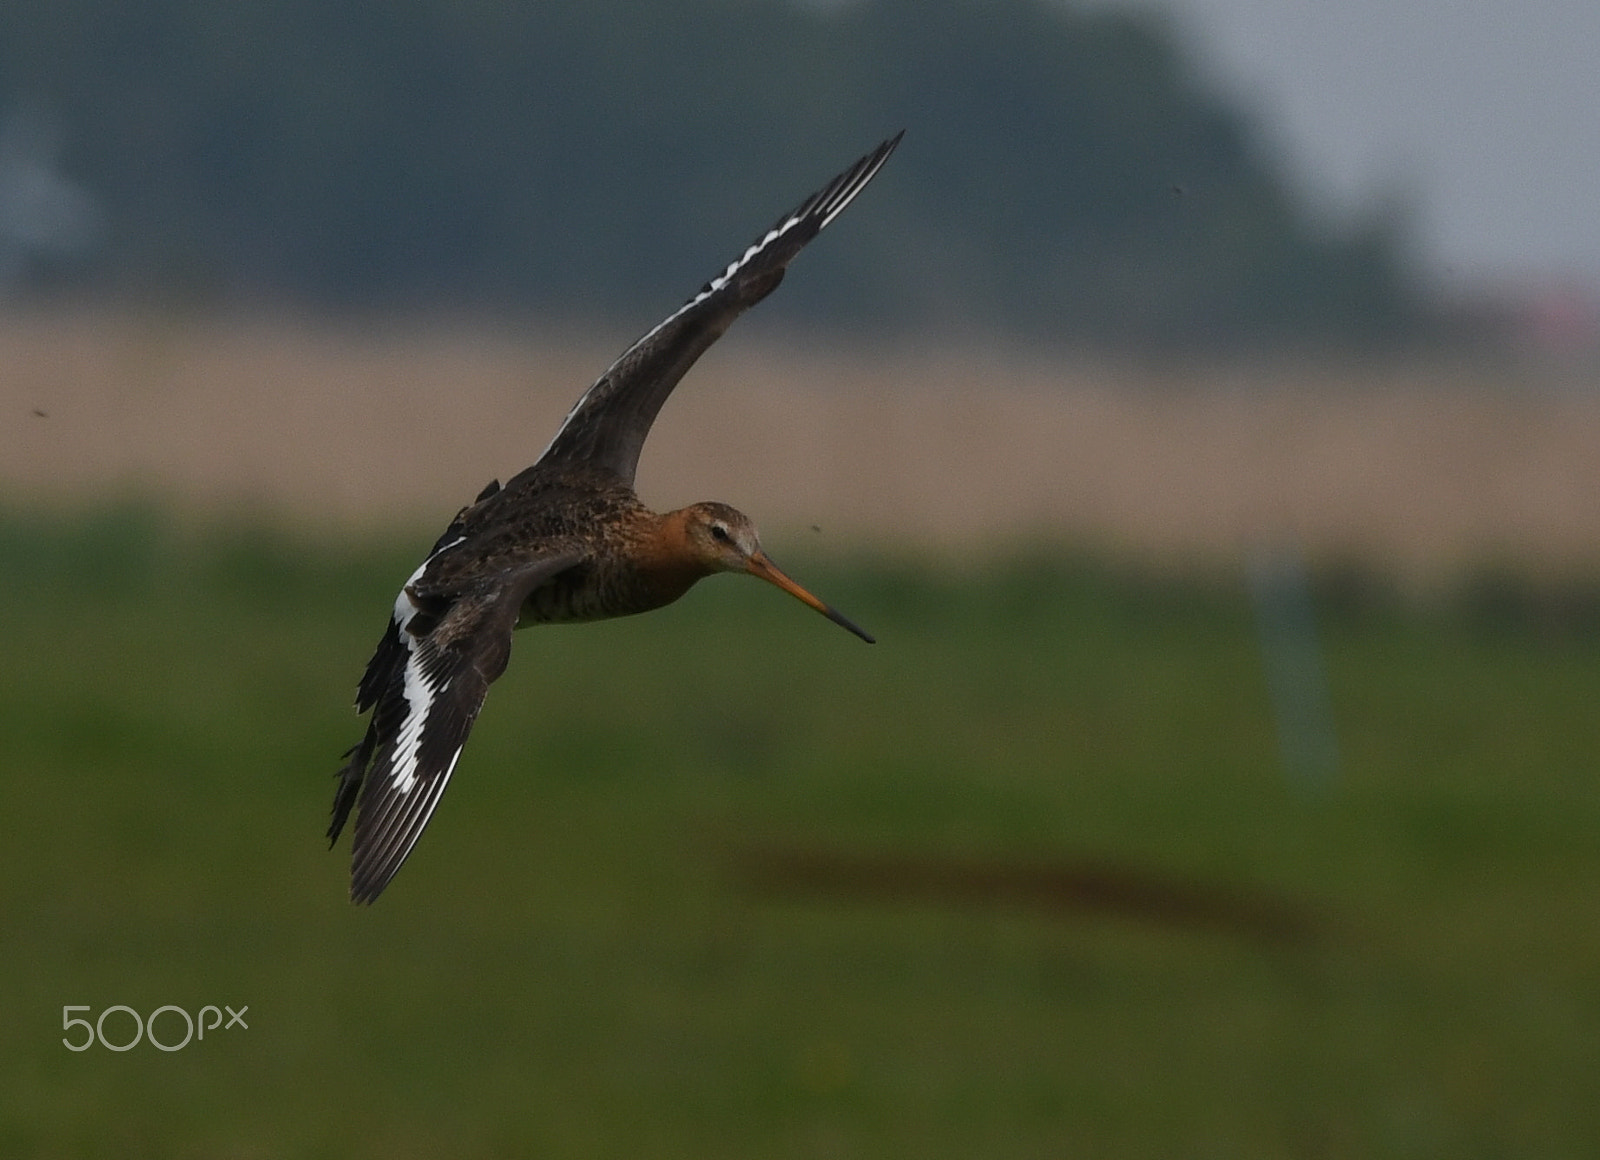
(581, 960)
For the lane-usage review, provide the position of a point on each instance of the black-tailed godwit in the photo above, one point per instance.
(564, 540)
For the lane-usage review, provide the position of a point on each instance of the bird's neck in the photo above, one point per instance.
(665, 559)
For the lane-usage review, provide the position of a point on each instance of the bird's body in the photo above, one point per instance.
(564, 540)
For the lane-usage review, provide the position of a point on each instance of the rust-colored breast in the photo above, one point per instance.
(641, 561)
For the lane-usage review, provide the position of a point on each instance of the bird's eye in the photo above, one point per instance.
(719, 533)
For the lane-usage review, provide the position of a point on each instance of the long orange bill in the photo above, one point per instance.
(761, 565)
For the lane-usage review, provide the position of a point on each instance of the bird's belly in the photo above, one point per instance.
(572, 600)
(562, 604)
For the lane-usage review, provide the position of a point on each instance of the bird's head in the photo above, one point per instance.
(722, 539)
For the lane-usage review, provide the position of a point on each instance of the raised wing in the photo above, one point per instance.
(608, 424)
(424, 687)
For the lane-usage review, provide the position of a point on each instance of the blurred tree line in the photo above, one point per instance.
(1064, 175)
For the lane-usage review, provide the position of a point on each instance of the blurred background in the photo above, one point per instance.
(1200, 409)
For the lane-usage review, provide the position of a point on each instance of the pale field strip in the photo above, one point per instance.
(958, 452)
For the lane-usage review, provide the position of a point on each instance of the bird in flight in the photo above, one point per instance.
(564, 540)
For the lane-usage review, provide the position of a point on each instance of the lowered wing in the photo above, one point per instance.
(424, 686)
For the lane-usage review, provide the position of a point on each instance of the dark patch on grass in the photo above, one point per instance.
(1062, 888)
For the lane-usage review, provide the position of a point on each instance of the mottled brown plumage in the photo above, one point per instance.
(565, 540)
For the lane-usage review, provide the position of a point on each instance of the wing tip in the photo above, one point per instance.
(372, 871)
(365, 894)
(842, 190)
(887, 146)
